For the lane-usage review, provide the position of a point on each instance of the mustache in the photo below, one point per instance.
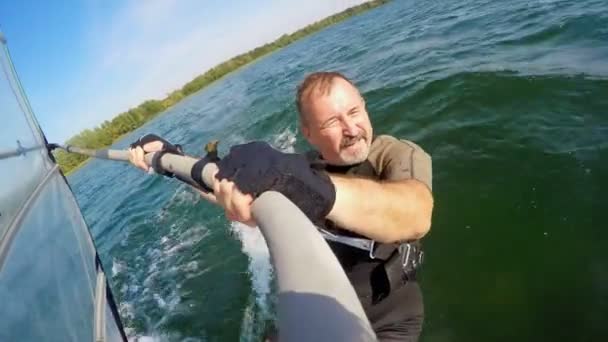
(349, 140)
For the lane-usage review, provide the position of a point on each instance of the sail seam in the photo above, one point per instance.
(12, 229)
(100, 301)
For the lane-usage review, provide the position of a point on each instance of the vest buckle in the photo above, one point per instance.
(404, 250)
(371, 249)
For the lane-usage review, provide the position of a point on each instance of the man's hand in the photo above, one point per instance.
(237, 205)
(248, 171)
(137, 153)
(256, 167)
(151, 143)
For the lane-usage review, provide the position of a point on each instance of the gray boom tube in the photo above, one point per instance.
(316, 300)
(20, 151)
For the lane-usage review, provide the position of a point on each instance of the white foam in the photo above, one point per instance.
(162, 255)
(192, 266)
(159, 300)
(248, 323)
(126, 310)
(253, 243)
(183, 195)
(161, 260)
(153, 253)
(169, 302)
(149, 280)
(158, 338)
(186, 239)
(285, 141)
(260, 269)
(161, 338)
(117, 267)
(145, 339)
(191, 275)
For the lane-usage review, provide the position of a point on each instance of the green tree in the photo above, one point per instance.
(109, 131)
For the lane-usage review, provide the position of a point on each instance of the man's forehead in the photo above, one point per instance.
(336, 84)
(340, 92)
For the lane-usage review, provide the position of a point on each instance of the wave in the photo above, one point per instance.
(564, 30)
(155, 259)
(551, 113)
(259, 309)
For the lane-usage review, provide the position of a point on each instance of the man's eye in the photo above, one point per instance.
(330, 123)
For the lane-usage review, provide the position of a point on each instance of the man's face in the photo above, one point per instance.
(337, 124)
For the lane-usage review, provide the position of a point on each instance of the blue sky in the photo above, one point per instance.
(82, 62)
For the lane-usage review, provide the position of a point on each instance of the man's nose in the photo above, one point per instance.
(349, 127)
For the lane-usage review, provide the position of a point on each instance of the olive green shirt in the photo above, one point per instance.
(392, 159)
(389, 159)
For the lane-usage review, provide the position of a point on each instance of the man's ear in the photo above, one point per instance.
(305, 131)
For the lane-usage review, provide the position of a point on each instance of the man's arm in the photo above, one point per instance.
(384, 211)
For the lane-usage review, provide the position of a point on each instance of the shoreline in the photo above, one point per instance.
(109, 132)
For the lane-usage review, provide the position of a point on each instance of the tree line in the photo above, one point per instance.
(109, 131)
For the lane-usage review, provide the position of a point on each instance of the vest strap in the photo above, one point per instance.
(360, 243)
(400, 261)
(381, 251)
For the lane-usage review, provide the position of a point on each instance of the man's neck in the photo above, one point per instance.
(340, 168)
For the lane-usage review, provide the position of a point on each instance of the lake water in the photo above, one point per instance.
(509, 98)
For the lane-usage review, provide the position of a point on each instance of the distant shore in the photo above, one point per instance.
(111, 130)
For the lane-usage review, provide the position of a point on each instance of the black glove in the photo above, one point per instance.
(167, 148)
(257, 167)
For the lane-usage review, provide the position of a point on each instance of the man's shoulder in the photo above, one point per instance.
(398, 158)
(388, 142)
(391, 139)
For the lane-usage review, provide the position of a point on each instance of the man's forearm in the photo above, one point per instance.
(382, 211)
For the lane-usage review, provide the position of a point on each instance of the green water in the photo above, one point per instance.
(509, 98)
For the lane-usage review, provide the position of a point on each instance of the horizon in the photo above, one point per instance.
(81, 65)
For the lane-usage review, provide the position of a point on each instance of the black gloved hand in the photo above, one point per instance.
(167, 148)
(257, 167)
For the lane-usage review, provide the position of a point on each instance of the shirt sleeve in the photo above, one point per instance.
(404, 159)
